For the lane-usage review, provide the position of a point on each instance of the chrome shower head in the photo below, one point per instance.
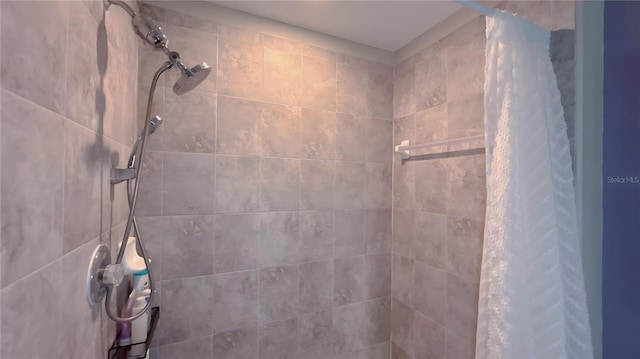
(191, 78)
(154, 123)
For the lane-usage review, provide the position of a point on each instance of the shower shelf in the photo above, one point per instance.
(121, 351)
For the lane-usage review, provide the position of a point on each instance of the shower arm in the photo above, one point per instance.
(132, 193)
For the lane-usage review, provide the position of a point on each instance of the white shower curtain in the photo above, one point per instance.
(532, 297)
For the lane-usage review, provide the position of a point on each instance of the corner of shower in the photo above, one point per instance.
(104, 276)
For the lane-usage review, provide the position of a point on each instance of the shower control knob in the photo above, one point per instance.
(113, 274)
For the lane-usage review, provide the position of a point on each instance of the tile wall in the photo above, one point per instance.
(439, 199)
(68, 108)
(267, 199)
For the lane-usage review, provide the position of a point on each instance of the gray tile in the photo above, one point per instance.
(181, 322)
(563, 15)
(380, 95)
(83, 77)
(402, 318)
(351, 90)
(192, 193)
(316, 184)
(458, 348)
(350, 181)
(240, 343)
(397, 352)
(278, 293)
(82, 186)
(280, 130)
(80, 323)
(464, 247)
(466, 118)
(403, 232)
(279, 339)
(279, 238)
(404, 99)
(351, 137)
(431, 81)
(237, 184)
(431, 239)
(377, 230)
(466, 196)
(235, 303)
(282, 44)
(317, 336)
(318, 83)
(280, 184)
(378, 275)
(431, 184)
(32, 181)
(379, 144)
(431, 292)
(195, 46)
(319, 53)
(402, 279)
(377, 321)
(349, 233)
(240, 62)
(190, 122)
(404, 128)
(188, 21)
(318, 134)
(150, 192)
(349, 324)
(316, 286)
(188, 246)
(379, 351)
(462, 307)
(349, 280)
(465, 65)
(43, 46)
(377, 191)
(404, 185)
(316, 235)
(25, 314)
(282, 76)
(200, 348)
(431, 126)
(238, 131)
(428, 338)
(237, 242)
(344, 59)
(151, 232)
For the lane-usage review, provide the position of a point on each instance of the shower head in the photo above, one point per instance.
(154, 123)
(191, 78)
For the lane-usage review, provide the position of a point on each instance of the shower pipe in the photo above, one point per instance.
(103, 277)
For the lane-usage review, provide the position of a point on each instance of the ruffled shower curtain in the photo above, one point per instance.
(532, 296)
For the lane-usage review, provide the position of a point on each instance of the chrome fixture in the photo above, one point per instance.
(103, 276)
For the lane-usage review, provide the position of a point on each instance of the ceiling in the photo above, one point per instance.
(388, 25)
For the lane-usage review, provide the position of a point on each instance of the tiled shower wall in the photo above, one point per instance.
(68, 109)
(267, 198)
(438, 199)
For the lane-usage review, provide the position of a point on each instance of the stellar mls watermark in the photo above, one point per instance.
(623, 180)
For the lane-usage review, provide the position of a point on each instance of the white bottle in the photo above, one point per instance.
(139, 328)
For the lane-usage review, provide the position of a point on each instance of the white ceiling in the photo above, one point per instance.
(388, 25)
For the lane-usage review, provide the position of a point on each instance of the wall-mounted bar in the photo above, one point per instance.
(405, 147)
